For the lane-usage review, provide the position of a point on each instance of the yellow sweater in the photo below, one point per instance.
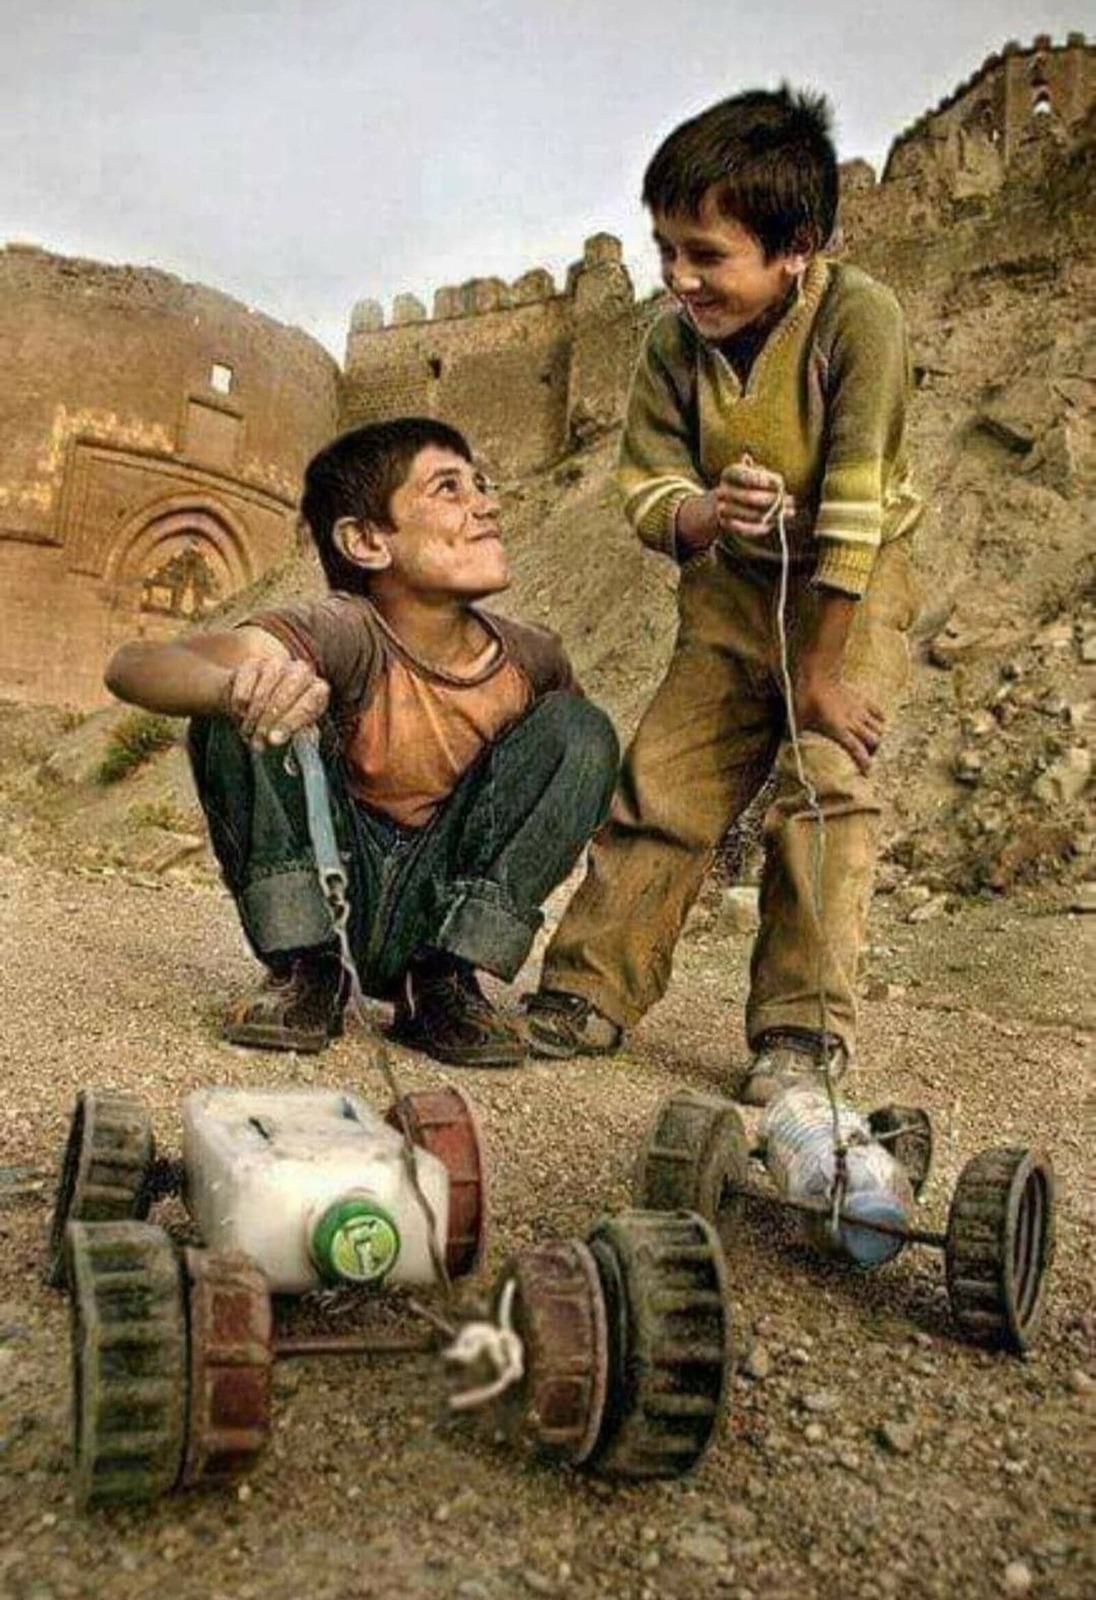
(824, 406)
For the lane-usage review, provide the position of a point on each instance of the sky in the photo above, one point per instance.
(304, 154)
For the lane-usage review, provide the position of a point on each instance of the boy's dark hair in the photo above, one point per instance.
(768, 157)
(356, 476)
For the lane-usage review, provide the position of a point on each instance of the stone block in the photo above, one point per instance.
(602, 250)
(367, 317)
(407, 308)
(448, 302)
(532, 286)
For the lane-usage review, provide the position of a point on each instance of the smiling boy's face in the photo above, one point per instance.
(716, 268)
(444, 536)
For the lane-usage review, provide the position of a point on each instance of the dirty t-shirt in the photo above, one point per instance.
(408, 730)
(424, 728)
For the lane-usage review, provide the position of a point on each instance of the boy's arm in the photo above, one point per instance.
(867, 387)
(664, 500)
(245, 674)
(656, 471)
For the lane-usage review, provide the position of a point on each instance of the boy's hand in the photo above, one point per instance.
(824, 704)
(746, 497)
(740, 503)
(270, 700)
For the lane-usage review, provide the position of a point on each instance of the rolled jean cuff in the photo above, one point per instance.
(285, 911)
(483, 926)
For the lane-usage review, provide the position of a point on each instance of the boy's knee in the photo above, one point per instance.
(830, 771)
(214, 745)
(579, 731)
(595, 736)
(217, 733)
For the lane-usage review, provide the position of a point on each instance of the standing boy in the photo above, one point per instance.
(466, 771)
(779, 380)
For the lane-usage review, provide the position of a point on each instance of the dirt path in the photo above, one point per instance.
(983, 1488)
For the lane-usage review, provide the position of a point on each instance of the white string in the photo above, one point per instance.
(775, 515)
(498, 1344)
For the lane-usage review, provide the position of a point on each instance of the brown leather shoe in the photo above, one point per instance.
(298, 1006)
(442, 1011)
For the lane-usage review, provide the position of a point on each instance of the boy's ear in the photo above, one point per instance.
(363, 543)
(797, 258)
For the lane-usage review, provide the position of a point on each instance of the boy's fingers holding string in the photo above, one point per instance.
(739, 495)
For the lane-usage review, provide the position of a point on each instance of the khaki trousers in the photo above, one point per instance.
(712, 734)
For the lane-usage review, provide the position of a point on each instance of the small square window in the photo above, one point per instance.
(220, 378)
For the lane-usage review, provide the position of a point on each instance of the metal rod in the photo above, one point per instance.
(349, 1344)
(816, 1208)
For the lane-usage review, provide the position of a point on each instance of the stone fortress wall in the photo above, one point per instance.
(525, 370)
(152, 435)
(153, 432)
(1000, 122)
(1000, 107)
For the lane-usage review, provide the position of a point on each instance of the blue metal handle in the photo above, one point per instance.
(317, 800)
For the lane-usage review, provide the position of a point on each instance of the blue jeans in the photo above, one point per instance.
(471, 882)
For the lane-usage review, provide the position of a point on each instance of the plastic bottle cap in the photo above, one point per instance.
(866, 1246)
(355, 1240)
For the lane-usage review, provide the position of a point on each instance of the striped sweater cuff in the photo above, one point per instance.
(657, 524)
(844, 566)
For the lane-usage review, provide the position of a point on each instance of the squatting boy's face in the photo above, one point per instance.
(447, 539)
(716, 269)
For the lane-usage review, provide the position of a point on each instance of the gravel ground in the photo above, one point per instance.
(868, 1451)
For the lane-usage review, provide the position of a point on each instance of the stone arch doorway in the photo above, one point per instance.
(171, 567)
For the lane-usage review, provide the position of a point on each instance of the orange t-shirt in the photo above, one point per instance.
(423, 728)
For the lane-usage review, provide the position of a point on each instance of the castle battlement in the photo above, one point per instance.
(470, 299)
(477, 296)
(493, 351)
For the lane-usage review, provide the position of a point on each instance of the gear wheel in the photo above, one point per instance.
(1000, 1244)
(907, 1133)
(105, 1169)
(559, 1314)
(444, 1122)
(231, 1357)
(129, 1345)
(668, 1316)
(696, 1148)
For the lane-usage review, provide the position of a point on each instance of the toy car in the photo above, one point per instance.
(999, 1241)
(611, 1353)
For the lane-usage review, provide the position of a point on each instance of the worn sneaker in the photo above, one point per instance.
(298, 1006)
(442, 1011)
(560, 1025)
(784, 1056)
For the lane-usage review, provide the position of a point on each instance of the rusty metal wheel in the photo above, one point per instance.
(559, 1314)
(129, 1348)
(231, 1357)
(1000, 1244)
(907, 1133)
(444, 1122)
(696, 1149)
(668, 1319)
(105, 1169)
